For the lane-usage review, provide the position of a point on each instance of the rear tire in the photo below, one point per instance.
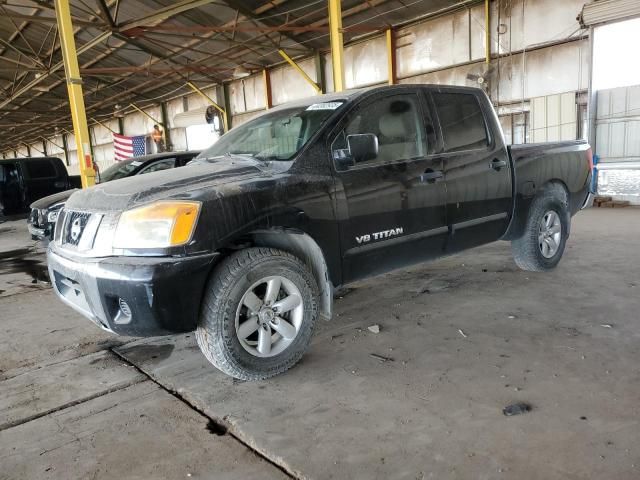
(546, 231)
(258, 313)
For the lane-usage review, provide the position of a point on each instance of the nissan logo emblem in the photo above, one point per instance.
(76, 229)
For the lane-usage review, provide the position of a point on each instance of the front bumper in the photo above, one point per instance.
(36, 233)
(588, 201)
(134, 296)
(593, 189)
(39, 227)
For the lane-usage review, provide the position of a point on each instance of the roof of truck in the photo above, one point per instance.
(28, 158)
(352, 94)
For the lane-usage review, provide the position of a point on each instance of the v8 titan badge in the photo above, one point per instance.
(380, 235)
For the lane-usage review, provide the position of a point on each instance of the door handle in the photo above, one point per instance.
(431, 176)
(498, 164)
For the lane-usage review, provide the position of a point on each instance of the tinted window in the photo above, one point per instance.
(119, 170)
(184, 160)
(40, 169)
(159, 165)
(461, 120)
(396, 121)
(8, 173)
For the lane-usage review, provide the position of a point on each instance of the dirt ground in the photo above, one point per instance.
(460, 339)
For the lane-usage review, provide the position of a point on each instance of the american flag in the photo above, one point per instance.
(126, 147)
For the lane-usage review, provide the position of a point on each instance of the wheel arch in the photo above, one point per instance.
(523, 206)
(304, 247)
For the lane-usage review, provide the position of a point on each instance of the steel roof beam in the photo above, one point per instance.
(53, 49)
(98, 71)
(25, 67)
(49, 20)
(147, 34)
(362, 28)
(105, 13)
(163, 14)
(54, 68)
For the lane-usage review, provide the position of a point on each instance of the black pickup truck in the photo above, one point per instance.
(25, 180)
(247, 245)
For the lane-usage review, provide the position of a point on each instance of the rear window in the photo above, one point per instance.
(461, 120)
(40, 169)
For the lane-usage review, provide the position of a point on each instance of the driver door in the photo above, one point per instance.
(391, 207)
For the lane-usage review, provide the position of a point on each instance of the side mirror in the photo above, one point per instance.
(362, 146)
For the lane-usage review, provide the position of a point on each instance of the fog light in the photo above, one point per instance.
(124, 313)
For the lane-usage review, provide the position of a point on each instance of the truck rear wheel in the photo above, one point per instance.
(541, 246)
(258, 313)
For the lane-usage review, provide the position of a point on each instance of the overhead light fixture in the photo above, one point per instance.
(240, 72)
(41, 88)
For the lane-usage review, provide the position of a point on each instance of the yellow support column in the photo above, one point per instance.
(391, 56)
(337, 49)
(74, 87)
(487, 31)
(266, 78)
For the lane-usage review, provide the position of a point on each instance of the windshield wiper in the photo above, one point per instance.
(269, 158)
(252, 156)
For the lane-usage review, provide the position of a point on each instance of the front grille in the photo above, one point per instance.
(74, 225)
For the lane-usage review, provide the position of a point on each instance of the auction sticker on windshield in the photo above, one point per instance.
(324, 106)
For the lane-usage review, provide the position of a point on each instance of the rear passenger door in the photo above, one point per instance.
(476, 166)
(391, 208)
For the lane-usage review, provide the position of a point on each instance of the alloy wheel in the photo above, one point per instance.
(269, 316)
(549, 234)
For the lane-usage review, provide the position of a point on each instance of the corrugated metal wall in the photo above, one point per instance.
(618, 125)
(554, 118)
(618, 142)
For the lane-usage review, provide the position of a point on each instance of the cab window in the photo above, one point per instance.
(461, 120)
(397, 123)
(37, 169)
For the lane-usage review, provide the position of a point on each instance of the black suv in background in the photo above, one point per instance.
(44, 212)
(25, 180)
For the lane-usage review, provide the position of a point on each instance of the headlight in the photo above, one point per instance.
(158, 225)
(52, 217)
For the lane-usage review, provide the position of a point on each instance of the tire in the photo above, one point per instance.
(225, 309)
(533, 250)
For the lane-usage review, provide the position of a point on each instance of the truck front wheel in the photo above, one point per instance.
(258, 313)
(546, 231)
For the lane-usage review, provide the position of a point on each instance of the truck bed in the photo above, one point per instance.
(535, 164)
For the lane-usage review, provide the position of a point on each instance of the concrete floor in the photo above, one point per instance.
(465, 337)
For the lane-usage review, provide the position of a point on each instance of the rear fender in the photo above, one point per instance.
(523, 202)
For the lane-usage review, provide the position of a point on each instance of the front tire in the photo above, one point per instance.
(546, 231)
(258, 313)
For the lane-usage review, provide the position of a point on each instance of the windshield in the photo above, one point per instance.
(279, 135)
(119, 170)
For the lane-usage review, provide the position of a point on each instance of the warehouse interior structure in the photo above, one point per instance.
(150, 62)
(465, 367)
